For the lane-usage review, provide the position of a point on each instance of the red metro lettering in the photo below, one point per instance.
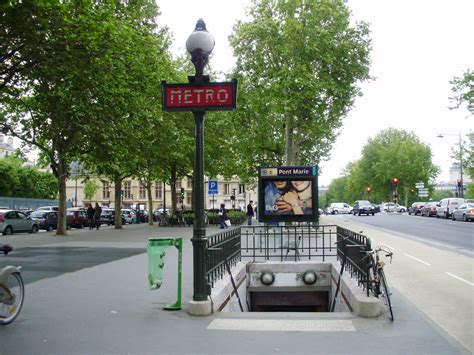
(199, 96)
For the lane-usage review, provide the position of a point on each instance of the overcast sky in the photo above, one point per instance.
(418, 47)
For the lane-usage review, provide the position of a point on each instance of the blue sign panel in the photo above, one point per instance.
(213, 187)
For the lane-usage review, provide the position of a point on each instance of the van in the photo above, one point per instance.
(339, 208)
(447, 205)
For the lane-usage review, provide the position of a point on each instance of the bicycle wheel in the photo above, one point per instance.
(385, 293)
(10, 306)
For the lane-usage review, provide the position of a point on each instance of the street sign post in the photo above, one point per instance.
(213, 187)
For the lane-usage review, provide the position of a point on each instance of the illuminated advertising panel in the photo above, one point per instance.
(288, 194)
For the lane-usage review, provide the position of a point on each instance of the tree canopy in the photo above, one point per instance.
(392, 153)
(299, 64)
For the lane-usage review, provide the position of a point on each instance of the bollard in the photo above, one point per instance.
(156, 255)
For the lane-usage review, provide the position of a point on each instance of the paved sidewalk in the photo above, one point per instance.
(108, 309)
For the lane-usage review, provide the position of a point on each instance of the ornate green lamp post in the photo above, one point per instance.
(199, 44)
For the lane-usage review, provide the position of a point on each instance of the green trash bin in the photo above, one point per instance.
(156, 261)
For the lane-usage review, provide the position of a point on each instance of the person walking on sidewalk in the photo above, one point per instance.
(90, 216)
(97, 212)
(222, 216)
(249, 213)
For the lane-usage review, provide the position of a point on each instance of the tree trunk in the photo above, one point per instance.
(62, 214)
(173, 189)
(118, 201)
(150, 203)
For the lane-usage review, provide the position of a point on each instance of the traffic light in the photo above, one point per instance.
(395, 181)
(181, 195)
(369, 190)
(459, 183)
(233, 195)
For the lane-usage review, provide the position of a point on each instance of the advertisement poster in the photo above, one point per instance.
(288, 194)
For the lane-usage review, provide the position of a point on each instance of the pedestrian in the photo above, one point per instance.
(97, 212)
(249, 213)
(222, 216)
(90, 216)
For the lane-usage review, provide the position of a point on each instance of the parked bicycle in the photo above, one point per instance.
(163, 219)
(181, 221)
(377, 282)
(12, 292)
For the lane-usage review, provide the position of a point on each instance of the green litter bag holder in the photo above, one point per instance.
(156, 262)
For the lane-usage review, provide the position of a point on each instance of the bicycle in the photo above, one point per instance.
(181, 221)
(163, 220)
(377, 282)
(12, 293)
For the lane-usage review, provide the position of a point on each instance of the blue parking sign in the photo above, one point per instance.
(212, 187)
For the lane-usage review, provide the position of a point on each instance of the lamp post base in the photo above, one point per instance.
(200, 308)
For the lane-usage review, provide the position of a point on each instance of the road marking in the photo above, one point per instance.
(283, 325)
(419, 260)
(460, 279)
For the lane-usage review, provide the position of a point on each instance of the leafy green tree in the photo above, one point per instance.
(90, 189)
(17, 180)
(463, 89)
(396, 153)
(299, 64)
(392, 153)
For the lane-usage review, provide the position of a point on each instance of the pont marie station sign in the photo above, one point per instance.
(199, 97)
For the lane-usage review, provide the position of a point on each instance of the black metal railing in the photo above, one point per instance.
(287, 243)
(292, 242)
(222, 247)
(352, 246)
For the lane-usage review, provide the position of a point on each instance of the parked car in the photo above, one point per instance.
(376, 208)
(400, 208)
(77, 217)
(388, 207)
(415, 208)
(429, 209)
(464, 212)
(107, 216)
(128, 216)
(339, 208)
(392, 207)
(48, 208)
(143, 216)
(13, 221)
(47, 220)
(363, 207)
(447, 205)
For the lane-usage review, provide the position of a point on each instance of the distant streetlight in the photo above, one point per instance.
(461, 182)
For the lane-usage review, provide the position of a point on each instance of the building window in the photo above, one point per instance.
(226, 189)
(189, 199)
(158, 190)
(142, 191)
(189, 183)
(241, 189)
(178, 184)
(105, 190)
(127, 189)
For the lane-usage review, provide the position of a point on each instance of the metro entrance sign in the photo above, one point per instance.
(199, 97)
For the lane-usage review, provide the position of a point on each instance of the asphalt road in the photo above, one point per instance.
(447, 233)
(45, 262)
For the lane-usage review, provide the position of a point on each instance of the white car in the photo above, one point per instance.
(392, 207)
(128, 215)
(339, 208)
